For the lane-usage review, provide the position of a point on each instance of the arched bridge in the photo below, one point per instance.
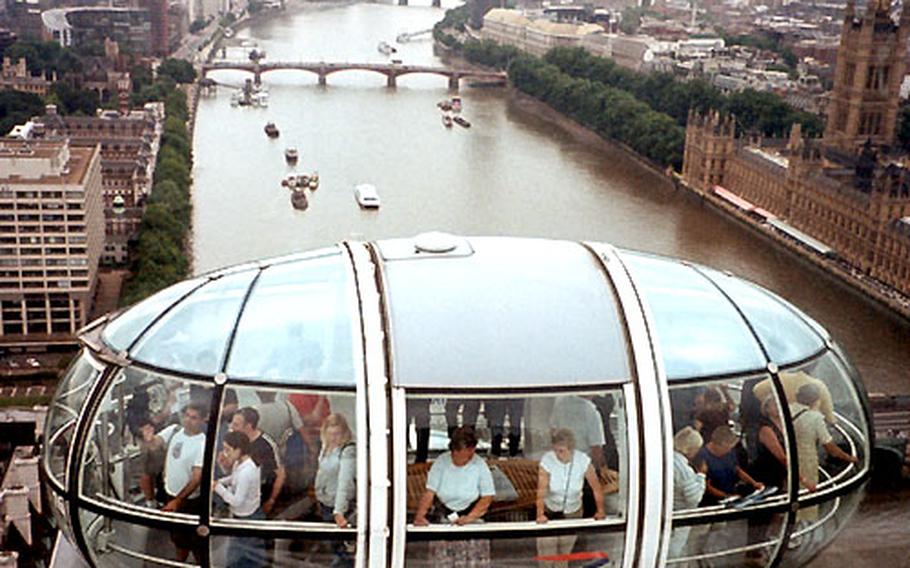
(322, 69)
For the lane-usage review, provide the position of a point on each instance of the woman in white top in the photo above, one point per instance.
(560, 481)
(241, 491)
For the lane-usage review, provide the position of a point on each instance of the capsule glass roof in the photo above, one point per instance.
(483, 313)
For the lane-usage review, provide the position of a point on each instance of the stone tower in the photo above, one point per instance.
(870, 68)
(709, 144)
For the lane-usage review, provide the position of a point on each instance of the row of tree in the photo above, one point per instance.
(611, 112)
(646, 111)
(159, 256)
(755, 111)
(454, 19)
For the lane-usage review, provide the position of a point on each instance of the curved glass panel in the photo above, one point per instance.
(743, 542)
(65, 409)
(146, 441)
(538, 314)
(832, 436)
(817, 526)
(193, 336)
(698, 331)
(297, 326)
(123, 330)
(729, 452)
(119, 544)
(575, 442)
(786, 337)
(303, 442)
(308, 551)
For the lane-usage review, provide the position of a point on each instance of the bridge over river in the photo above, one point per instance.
(323, 69)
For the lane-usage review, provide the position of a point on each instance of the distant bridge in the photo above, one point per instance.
(322, 70)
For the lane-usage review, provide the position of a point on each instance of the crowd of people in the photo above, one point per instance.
(255, 443)
(460, 485)
(275, 451)
(724, 451)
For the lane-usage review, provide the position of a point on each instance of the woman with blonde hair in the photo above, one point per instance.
(560, 481)
(335, 489)
(335, 486)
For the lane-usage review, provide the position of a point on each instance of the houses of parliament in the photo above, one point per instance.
(848, 190)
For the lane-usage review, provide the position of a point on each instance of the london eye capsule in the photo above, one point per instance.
(408, 401)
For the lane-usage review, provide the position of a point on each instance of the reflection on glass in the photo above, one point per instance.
(809, 537)
(285, 454)
(193, 336)
(118, 544)
(146, 442)
(742, 542)
(297, 325)
(596, 548)
(61, 420)
(123, 330)
(786, 336)
(288, 553)
(699, 331)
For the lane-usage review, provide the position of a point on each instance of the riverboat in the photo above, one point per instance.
(367, 196)
(314, 181)
(299, 199)
(290, 181)
(462, 121)
(291, 155)
(444, 104)
(271, 130)
(386, 49)
(447, 120)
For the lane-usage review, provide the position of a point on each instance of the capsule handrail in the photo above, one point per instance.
(148, 558)
(521, 526)
(727, 552)
(834, 507)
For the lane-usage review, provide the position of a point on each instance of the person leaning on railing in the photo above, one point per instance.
(561, 477)
(460, 489)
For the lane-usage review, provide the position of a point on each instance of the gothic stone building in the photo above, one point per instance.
(838, 190)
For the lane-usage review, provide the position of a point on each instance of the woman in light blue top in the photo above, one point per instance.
(335, 487)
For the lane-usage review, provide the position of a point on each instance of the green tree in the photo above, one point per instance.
(178, 70)
(75, 101)
(17, 107)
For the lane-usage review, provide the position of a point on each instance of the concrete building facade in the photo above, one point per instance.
(129, 146)
(51, 237)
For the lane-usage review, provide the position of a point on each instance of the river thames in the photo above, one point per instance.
(518, 171)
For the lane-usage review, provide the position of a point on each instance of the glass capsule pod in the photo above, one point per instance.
(707, 419)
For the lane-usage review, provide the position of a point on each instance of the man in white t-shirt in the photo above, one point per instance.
(183, 473)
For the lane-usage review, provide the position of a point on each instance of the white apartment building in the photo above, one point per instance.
(537, 36)
(51, 237)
